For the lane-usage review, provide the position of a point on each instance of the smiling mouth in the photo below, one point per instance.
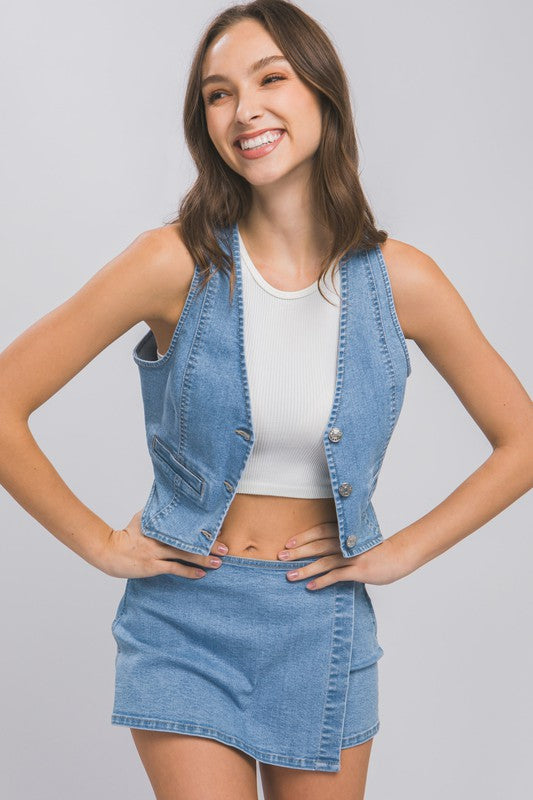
(262, 148)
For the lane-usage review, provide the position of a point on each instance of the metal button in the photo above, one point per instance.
(207, 534)
(345, 489)
(351, 540)
(228, 485)
(335, 434)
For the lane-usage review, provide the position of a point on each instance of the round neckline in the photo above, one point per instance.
(313, 287)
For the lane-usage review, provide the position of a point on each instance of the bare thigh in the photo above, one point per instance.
(283, 783)
(182, 767)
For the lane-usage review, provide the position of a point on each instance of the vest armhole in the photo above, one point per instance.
(148, 341)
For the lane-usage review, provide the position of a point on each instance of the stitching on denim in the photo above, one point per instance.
(392, 308)
(178, 468)
(173, 541)
(393, 404)
(163, 512)
(191, 363)
(331, 646)
(367, 545)
(356, 738)
(336, 662)
(376, 305)
(127, 719)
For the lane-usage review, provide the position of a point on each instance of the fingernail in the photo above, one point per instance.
(221, 548)
(200, 572)
(311, 585)
(292, 574)
(291, 543)
(216, 562)
(284, 554)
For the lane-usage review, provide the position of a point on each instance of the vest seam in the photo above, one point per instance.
(392, 308)
(192, 361)
(378, 315)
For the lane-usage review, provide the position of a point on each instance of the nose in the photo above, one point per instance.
(245, 117)
(247, 109)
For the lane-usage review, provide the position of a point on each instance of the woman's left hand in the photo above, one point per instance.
(383, 563)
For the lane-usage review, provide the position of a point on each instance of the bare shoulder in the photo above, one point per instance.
(169, 268)
(418, 286)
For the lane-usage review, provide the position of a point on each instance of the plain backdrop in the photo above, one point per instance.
(91, 154)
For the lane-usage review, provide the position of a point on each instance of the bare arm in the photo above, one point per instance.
(432, 312)
(146, 281)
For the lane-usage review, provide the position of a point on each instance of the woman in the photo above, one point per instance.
(224, 663)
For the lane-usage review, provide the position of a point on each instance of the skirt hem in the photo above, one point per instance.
(322, 764)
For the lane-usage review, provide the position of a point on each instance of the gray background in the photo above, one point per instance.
(92, 154)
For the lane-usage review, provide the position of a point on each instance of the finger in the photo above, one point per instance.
(317, 547)
(320, 565)
(333, 576)
(177, 568)
(165, 552)
(324, 530)
(220, 548)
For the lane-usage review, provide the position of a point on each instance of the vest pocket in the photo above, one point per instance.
(187, 480)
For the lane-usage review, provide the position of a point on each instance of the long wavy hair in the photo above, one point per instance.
(220, 196)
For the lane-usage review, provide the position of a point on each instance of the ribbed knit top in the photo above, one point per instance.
(290, 342)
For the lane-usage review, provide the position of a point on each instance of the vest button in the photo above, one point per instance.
(351, 540)
(228, 485)
(345, 489)
(207, 534)
(335, 434)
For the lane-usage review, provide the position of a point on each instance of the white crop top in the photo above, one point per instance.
(290, 342)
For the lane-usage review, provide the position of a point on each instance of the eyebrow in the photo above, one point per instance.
(255, 67)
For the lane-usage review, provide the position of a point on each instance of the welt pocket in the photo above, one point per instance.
(194, 481)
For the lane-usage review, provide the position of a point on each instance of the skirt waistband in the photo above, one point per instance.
(241, 561)
(257, 563)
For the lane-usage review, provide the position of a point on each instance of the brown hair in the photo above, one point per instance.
(220, 196)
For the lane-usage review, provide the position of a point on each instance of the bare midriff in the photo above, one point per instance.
(258, 526)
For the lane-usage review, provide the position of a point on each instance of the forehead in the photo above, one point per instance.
(238, 46)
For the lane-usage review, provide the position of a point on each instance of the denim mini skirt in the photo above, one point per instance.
(286, 674)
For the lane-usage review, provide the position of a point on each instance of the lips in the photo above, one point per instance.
(254, 134)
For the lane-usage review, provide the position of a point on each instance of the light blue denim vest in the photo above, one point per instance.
(197, 405)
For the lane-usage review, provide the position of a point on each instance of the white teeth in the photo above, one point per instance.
(269, 136)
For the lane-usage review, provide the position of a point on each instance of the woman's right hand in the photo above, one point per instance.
(128, 553)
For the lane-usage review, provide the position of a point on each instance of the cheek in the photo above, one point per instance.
(307, 133)
(305, 114)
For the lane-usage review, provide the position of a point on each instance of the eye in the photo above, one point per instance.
(274, 77)
(211, 98)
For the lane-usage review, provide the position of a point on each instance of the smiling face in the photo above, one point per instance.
(255, 89)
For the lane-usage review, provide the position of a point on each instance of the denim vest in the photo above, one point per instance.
(197, 405)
